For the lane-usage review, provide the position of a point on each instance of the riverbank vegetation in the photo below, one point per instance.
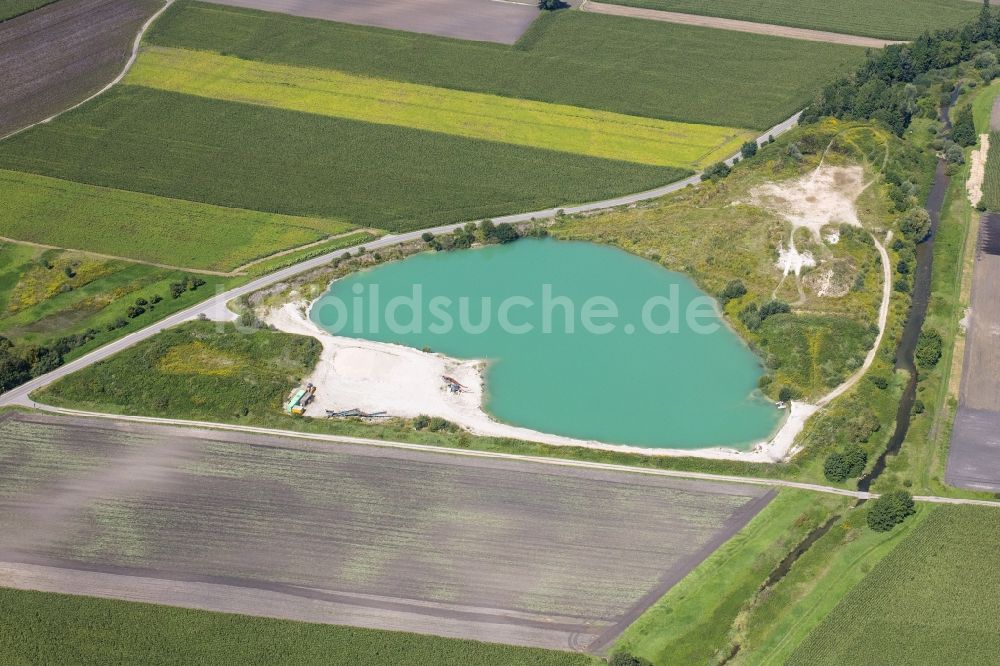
(39, 627)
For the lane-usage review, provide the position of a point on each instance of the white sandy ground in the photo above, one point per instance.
(824, 196)
(977, 170)
(406, 382)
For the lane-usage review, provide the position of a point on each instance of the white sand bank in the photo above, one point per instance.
(977, 170)
(406, 382)
(823, 196)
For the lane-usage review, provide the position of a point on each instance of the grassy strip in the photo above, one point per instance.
(888, 19)
(689, 625)
(473, 115)
(773, 623)
(40, 302)
(246, 156)
(37, 628)
(930, 601)
(14, 8)
(630, 66)
(147, 228)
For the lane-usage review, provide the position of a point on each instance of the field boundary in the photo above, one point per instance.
(236, 272)
(736, 25)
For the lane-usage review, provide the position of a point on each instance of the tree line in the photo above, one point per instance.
(884, 88)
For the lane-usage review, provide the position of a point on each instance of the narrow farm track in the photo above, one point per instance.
(735, 25)
(558, 462)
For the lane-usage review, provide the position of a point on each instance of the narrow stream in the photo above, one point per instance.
(915, 317)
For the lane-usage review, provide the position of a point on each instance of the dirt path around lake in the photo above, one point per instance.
(736, 25)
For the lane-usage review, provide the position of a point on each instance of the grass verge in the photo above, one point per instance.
(690, 624)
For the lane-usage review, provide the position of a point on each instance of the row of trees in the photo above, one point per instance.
(881, 89)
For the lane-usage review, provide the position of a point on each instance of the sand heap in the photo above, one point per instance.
(824, 196)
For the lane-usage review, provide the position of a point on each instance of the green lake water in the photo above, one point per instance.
(616, 380)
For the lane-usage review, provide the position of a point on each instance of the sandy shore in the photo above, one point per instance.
(406, 382)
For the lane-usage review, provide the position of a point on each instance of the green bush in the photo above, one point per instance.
(929, 346)
(890, 510)
(717, 171)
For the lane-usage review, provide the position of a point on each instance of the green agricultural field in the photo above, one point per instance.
(629, 66)
(11, 8)
(889, 19)
(473, 115)
(49, 294)
(991, 182)
(194, 372)
(253, 157)
(148, 228)
(932, 600)
(37, 628)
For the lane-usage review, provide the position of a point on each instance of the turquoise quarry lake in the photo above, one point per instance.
(540, 311)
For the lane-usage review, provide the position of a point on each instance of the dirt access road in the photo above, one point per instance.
(485, 548)
(56, 56)
(735, 25)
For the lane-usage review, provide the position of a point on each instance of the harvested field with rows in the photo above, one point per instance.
(56, 56)
(378, 537)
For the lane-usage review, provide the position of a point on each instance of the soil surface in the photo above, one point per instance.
(58, 55)
(491, 549)
(974, 456)
(480, 20)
